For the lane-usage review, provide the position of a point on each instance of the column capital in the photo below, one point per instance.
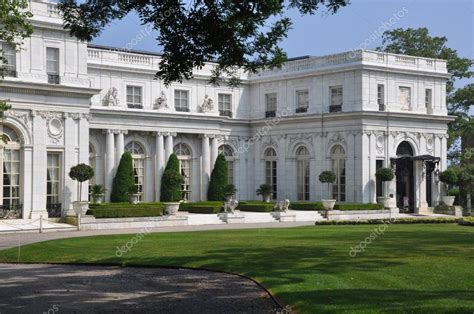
(108, 131)
(124, 132)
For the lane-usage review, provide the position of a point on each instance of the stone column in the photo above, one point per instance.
(120, 146)
(214, 151)
(168, 146)
(160, 163)
(420, 190)
(39, 168)
(206, 166)
(109, 162)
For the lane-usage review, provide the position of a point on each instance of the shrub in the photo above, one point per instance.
(97, 189)
(454, 192)
(388, 221)
(467, 221)
(449, 176)
(124, 210)
(229, 190)
(357, 206)
(171, 181)
(218, 180)
(264, 190)
(255, 206)
(81, 173)
(384, 174)
(124, 179)
(307, 206)
(202, 207)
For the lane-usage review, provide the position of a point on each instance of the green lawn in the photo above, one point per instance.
(410, 268)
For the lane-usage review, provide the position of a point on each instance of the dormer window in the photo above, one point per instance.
(302, 101)
(9, 55)
(270, 105)
(336, 99)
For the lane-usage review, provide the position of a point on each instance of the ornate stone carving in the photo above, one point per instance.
(23, 116)
(111, 98)
(55, 129)
(379, 143)
(336, 138)
(161, 102)
(300, 137)
(207, 104)
(429, 144)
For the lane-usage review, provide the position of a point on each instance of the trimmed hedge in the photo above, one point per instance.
(358, 206)
(124, 179)
(171, 181)
(202, 207)
(342, 206)
(124, 210)
(467, 221)
(306, 206)
(388, 221)
(218, 180)
(255, 206)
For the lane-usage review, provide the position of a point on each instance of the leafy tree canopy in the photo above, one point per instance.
(233, 33)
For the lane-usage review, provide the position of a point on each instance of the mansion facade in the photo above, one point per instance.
(351, 112)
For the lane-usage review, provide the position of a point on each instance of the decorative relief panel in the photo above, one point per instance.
(111, 98)
(161, 102)
(207, 104)
(336, 138)
(23, 116)
(380, 143)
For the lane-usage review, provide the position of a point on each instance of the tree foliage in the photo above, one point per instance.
(449, 176)
(327, 177)
(124, 180)
(419, 42)
(81, 173)
(171, 181)
(232, 33)
(384, 174)
(218, 181)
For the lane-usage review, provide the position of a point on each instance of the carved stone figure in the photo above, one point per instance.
(230, 206)
(161, 102)
(111, 98)
(207, 104)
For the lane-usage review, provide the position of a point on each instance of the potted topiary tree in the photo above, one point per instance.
(171, 186)
(265, 190)
(218, 180)
(133, 195)
(449, 176)
(328, 177)
(229, 191)
(97, 193)
(81, 173)
(385, 175)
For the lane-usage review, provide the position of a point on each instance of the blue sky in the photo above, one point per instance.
(350, 28)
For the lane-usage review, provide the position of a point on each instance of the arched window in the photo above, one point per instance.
(11, 165)
(338, 158)
(184, 156)
(138, 155)
(302, 173)
(404, 149)
(228, 152)
(271, 170)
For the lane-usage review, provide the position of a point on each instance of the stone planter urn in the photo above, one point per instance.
(328, 204)
(384, 200)
(172, 208)
(97, 198)
(267, 198)
(133, 198)
(448, 200)
(80, 208)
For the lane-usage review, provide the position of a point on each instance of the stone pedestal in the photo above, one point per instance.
(232, 218)
(284, 216)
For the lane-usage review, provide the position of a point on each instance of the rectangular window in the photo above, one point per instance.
(53, 185)
(225, 105)
(405, 97)
(52, 65)
(336, 99)
(270, 105)
(271, 176)
(378, 183)
(428, 98)
(9, 55)
(302, 101)
(134, 97)
(181, 100)
(11, 179)
(381, 97)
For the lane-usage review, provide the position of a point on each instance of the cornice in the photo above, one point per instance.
(47, 89)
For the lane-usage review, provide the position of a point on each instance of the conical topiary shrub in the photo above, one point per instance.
(171, 181)
(124, 180)
(218, 182)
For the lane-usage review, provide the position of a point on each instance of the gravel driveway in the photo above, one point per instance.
(91, 289)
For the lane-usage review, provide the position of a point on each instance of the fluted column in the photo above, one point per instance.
(169, 146)
(160, 163)
(213, 151)
(109, 162)
(120, 145)
(206, 166)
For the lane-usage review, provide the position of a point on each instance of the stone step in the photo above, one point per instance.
(306, 215)
(252, 217)
(204, 219)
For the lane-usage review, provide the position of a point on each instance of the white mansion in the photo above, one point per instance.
(351, 113)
